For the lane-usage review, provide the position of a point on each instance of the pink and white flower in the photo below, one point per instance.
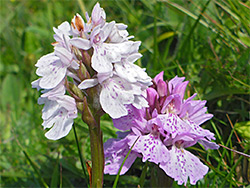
(92, 53)
(164, 129)
(122, 82)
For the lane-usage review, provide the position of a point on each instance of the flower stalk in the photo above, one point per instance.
(96, 145)
(97, 155)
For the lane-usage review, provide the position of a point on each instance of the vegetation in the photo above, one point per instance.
(206, 41)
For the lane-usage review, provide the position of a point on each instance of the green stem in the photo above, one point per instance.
(97, 154)
(80, 156)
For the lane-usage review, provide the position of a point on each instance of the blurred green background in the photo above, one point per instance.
(207, 41)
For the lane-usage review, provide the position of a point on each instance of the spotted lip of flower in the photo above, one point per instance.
(163, 130)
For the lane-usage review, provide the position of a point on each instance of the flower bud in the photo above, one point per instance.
(181, 88)
(162, 88)
(151, 96)
(158, 77)
(79, 106)
(76, 90)
(83, 72)
(77, 53)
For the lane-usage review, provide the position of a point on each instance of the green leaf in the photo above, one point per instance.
(244, 38)
(35, 168)
(55, 175)
(243, 128)
(10, 95)
(219, 92)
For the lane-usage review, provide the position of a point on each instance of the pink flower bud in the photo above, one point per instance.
(151, 96)
(158, 77)
(162, 88)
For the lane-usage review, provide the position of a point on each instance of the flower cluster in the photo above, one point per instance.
(93, 54)
(161, 132)
(113, 56)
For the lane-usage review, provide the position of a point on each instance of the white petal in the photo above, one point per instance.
(64, 55)
(81, 43)
(140, 102)
(52, 75)
(132, 73)
(133, 57)
(46, 60)
(112, 106)
(59, 90)
(88, 83)
(35, 84)
(60, 129)
(50, 109)
(64, 28)
(106, 30)
(100, 61)
(114, 95)
(68, 103)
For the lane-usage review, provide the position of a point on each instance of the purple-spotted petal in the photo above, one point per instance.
(113, 97)
(171, 123)
(46, 60)
(132, 73)
(183, 165)
(151, 148)
(115, 151)
(100, 60)
(51, 69)
(134, 117)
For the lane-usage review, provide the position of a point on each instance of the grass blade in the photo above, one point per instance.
(143, 174)
(80, 156)
(35, 168)
(55, 175)
(118, 174)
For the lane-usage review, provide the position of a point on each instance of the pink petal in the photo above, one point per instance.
(151, 148)
(183, 165)
(134, 117)
(115, 151)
